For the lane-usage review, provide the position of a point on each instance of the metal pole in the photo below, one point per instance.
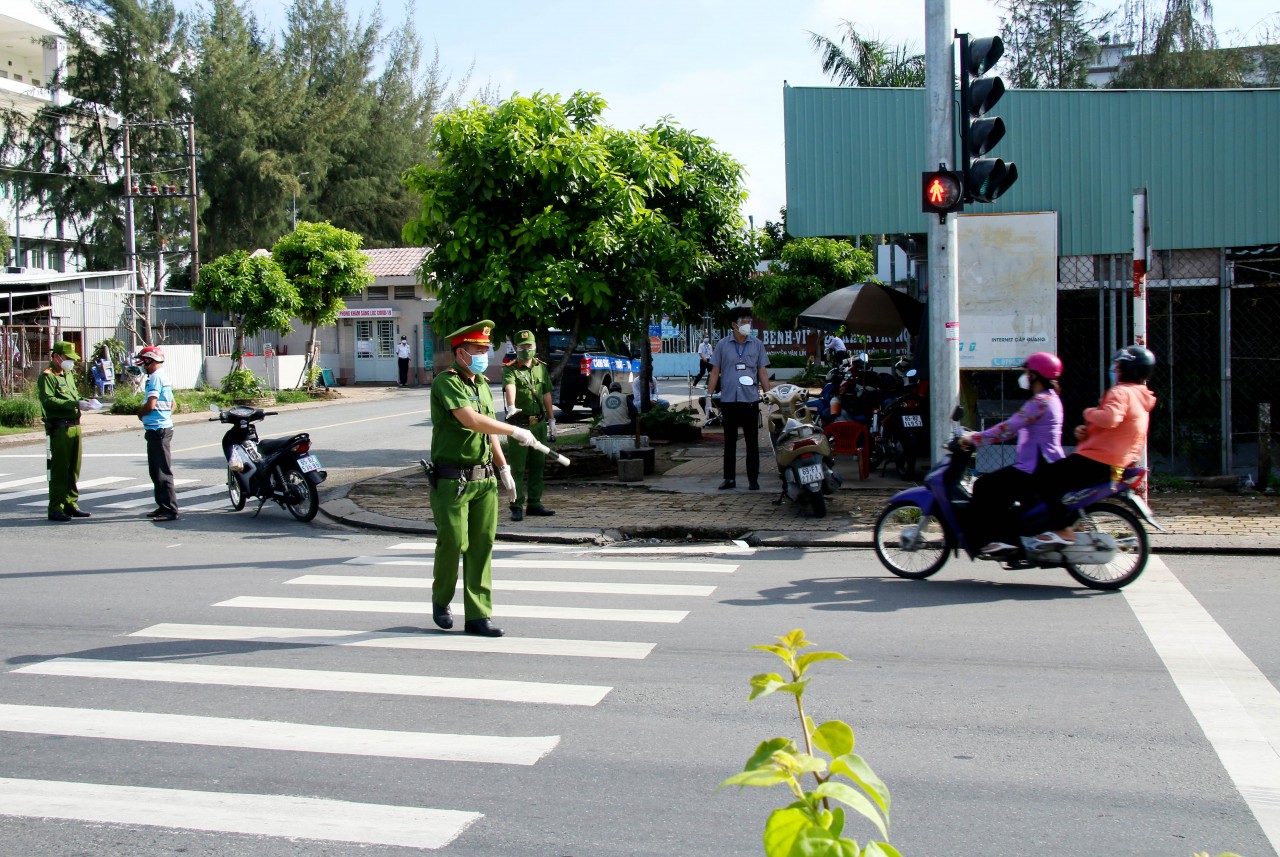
(944, 300)
(195, 226)
(1140, 288)
(130, 260)
(1224, 314)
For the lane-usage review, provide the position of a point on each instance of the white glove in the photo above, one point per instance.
(523, 436)
(512, 411)
(508, 483)
(551, 431)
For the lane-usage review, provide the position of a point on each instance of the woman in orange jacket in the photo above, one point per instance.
(1112, 437)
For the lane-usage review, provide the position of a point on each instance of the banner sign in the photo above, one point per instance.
(371, 312)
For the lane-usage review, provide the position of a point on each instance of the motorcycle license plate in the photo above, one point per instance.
(912, 421)
(308, 463)
(810, 473)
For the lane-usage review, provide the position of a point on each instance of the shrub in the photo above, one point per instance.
(292, 397)
(127, 402)
(788, 361)
(243, 384)
(21, 411)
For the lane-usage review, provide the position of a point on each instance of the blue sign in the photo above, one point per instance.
(655, 330)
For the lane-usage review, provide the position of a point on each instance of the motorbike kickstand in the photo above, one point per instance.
(262, 501)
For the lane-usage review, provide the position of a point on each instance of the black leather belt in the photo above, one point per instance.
(469, 474)
(53, 425)
(522, 420)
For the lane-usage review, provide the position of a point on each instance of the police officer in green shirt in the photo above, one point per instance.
(526, 389)
(467, 463)
(56, 389)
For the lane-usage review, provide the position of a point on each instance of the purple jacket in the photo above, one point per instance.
(1038, 426)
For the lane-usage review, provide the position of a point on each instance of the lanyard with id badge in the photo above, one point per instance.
(746, 376)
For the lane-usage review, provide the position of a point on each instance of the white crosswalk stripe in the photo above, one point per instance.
(502, 611)
(182, 495)
(115, 492)
(265, 815)
(39, 492)
(513, 585)
(16, 483)
(583, 564)
(701, 548)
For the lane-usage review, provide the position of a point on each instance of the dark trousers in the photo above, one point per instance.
(993, 494)
(404, 370)
(744, 415)
(704, 368)
(1070, 474)
(160, 466)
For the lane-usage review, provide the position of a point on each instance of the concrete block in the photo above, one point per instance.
(630, 470)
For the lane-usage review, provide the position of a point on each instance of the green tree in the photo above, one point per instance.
(1050, 44)
(808, 269)
(253, 292)
(324, 264)
(6, 243)
(854, 60)
(1178, 49)
(539, 215)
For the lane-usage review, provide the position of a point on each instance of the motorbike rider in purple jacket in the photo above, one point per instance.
(1038, 427)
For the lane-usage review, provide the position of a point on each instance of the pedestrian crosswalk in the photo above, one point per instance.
(191, 496)
(282, 665)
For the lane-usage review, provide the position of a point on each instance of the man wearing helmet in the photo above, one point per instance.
(1112, 437)
(1038, 428)
(156, 414)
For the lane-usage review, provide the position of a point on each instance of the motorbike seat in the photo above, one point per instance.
(266, 447)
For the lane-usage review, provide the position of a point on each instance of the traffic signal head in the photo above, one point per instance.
(942, 191)
(985, 179)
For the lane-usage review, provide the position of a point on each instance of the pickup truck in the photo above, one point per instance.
(592, 367)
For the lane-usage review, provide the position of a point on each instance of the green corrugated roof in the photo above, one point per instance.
(1210, 160)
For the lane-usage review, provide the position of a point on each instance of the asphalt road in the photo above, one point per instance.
(147, 669)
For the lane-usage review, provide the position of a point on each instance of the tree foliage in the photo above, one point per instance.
(1178, 49)
(1050, 44)
(542, 216)
(855, 60)
(324, 264)
(253, 292)
(808, 269)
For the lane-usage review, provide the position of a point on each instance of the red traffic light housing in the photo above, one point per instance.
(941, 191)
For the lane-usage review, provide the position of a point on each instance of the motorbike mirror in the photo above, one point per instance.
(957, 414)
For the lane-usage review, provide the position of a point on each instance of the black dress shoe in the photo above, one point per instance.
(78, 513)
(442, 614)
(165, 516)
(753, 486)
(154, 512)
(728, 483)
(482, 627)
(517, 514)
(59, 516)
(539, 511)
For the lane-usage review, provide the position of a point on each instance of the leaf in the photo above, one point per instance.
(820, 842)
(835, 738)
(765, 684)
(856, 768)
(854, 799)
(762, 778)
(813, 657)
(880, 849)
(782, 829)
(765, 751)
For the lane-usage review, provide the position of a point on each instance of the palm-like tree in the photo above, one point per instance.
(857, 61)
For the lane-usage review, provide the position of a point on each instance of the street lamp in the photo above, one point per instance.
(295, 197)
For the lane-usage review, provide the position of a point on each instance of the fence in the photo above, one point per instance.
(25, 348)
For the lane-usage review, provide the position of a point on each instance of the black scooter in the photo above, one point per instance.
(280, 469)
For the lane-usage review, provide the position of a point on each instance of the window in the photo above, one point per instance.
(375, 337)
(377, 293)
(406, 293)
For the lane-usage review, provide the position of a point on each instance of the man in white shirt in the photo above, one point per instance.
(835, 348)
(704, 360)
(402, 357)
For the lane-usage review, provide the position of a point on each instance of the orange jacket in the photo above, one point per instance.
(1117, 428)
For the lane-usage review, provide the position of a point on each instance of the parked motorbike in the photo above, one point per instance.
(900, 429)
(800, 450)
(280, 469)
(920, 527)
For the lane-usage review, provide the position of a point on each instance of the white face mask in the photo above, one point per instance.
(68, 365)
(745, 329)
(1024, 381)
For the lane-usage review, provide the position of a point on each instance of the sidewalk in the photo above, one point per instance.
(682, 502)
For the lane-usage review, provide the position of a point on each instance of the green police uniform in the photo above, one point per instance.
(61, 403)
(532, 383)
(465, 510)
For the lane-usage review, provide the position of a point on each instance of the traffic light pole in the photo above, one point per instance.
(943, 298)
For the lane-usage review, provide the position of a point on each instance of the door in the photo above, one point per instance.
(375, 350)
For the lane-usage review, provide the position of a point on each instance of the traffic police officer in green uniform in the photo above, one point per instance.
(60, 400)
(467, 462)
(526, 389)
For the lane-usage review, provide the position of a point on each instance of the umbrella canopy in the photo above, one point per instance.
(867, 308)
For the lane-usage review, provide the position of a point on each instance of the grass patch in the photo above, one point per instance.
(6, 430)
(20, 412)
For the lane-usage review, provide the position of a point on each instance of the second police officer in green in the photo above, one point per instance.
(526, 389)
(467, 462)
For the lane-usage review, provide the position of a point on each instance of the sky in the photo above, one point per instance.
(715, 66)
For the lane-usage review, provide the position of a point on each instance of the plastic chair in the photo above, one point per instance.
(849, 437)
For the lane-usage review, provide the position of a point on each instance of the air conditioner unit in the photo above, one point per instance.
(14, 269)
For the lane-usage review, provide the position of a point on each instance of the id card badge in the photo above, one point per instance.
(741, 367)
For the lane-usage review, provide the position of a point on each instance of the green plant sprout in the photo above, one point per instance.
(812, 826)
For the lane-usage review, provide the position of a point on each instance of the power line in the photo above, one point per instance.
(44, 173)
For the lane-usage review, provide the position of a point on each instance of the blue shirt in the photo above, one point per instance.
(158, 388)
(728, 356)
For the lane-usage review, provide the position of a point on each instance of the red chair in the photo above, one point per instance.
(849, 437)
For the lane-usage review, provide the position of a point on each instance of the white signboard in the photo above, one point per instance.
(371, 312)
(1008, 287)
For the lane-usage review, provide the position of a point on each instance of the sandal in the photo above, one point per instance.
(1049, 538)
(997, 547)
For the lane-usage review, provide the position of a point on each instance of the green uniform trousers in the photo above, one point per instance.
(465, 527)
(528, 464)
(64, 468)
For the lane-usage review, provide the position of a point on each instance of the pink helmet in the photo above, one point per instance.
(150, 352)
(1044, 364)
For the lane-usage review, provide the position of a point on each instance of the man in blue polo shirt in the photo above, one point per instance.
(740, 366)
(156, 414)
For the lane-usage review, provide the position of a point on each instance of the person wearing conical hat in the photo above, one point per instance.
(526, 389)
(60, 401)
(467, 463)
